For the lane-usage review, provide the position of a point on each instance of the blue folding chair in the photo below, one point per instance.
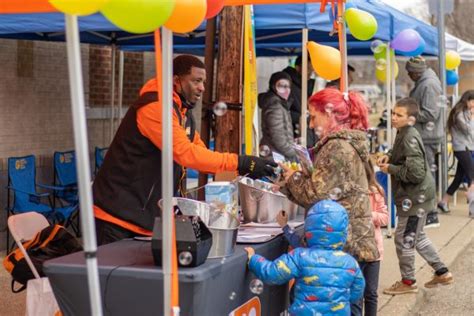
(99, 158)
(22, 188)
(65, 184)
(65, 177)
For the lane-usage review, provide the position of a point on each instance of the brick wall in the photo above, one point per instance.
(35, 108)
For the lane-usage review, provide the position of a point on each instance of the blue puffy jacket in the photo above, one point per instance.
(327, 279)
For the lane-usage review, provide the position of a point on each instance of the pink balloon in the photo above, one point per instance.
(406, 41)
(214, 7)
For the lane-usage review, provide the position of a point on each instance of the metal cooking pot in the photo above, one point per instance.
(260, 204)
(224, 228)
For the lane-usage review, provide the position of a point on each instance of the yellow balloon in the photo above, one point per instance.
(362, 25)
(78, 7)
(326, 60)
(381, 74)
(138, 16)
(453, 60)
(187, 15)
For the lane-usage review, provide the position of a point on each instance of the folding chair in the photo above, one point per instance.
(24, 227)
(99, 158)
(22, 187)
(65, 176)
(40, 299)
(65, 185)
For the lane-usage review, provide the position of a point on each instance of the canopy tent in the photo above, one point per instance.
(276, 34)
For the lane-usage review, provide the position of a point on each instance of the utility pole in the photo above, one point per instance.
(229, 79)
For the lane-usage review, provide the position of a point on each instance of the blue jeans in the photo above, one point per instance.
(370, 270)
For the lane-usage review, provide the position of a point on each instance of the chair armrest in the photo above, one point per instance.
(26, 192)
(51, 187)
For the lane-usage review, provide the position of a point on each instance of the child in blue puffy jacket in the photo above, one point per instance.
(327, 279)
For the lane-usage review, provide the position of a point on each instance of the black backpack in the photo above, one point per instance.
(51, 242)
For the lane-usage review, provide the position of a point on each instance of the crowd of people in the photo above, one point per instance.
(343, 171)
(345, 206)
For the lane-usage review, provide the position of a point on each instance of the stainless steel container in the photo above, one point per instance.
(224, 235)
(260, 204)
(191, 207)
(223, 225)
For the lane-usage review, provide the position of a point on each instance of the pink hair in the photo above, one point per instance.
(349, 112)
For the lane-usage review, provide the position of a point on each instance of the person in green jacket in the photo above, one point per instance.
(415, 195)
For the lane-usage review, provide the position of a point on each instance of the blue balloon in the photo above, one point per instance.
(451, 77)
(417, 52)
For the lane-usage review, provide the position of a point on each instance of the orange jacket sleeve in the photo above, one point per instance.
(186, 153)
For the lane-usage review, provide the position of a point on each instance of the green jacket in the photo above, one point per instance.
(412, 183)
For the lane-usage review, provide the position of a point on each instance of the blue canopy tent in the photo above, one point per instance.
(276, 33)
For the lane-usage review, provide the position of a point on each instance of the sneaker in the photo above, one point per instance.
(432, 220)
(443, 207)
(443, 279)
(401, 288)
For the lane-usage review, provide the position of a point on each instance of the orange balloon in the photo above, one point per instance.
(187, 15)
(326, 60)
(213, 8)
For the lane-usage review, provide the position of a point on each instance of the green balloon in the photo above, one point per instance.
(382, 52)
(138, 16)
(362, 25)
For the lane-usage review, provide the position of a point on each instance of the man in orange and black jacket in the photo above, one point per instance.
(128, 186)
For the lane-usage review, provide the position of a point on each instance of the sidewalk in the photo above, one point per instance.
(450, 239)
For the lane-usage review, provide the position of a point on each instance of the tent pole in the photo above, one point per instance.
(120, 86)
(82, 161)
(112, 92)
(344, 86)
(443, 164)
(304, 88)
(167, 165)
(388, 88)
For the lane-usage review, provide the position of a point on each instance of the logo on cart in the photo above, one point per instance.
(250, 308)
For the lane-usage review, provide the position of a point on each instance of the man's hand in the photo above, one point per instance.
(282, 218)
(250, 252)
(382, 160)
(256, 167)
(384, 167)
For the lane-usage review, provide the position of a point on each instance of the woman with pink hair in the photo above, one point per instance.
(340, 158)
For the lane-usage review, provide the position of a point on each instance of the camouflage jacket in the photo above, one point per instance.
(339, 174)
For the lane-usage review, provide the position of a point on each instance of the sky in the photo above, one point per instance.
(417, 8)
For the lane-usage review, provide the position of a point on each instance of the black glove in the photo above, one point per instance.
(255, 167)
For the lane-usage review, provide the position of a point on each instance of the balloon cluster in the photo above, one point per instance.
(144, 16)
(453, 60)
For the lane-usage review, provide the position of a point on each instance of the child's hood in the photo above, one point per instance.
(326, 225)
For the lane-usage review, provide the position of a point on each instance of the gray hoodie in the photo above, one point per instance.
(277, 130)
(426, 92)
(463, 133)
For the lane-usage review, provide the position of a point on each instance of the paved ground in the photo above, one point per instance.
(457, 298)
(452, 239)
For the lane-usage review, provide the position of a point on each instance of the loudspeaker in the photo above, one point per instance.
(193, 241)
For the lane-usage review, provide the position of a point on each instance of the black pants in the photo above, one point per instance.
(370, 270)
(465, 169)
(108, 233)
